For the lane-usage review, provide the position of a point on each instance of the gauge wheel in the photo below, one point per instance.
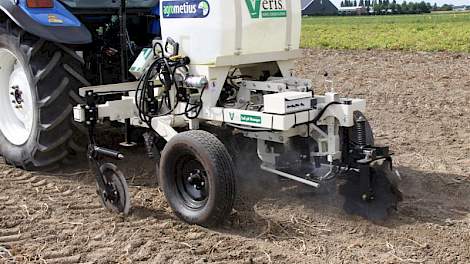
(38, 84)
(197, 178)
(115, 196)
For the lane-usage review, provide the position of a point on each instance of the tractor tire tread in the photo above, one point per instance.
(56, 75)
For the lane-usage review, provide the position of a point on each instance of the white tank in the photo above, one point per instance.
(207, 29)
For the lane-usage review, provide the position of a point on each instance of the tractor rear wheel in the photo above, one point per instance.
(38, 84)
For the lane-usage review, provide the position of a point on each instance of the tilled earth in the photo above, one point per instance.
(418, 103)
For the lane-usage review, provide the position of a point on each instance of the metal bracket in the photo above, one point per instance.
(290, 176)
(91, 111)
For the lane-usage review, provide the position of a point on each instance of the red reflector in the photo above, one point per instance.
(40, 3)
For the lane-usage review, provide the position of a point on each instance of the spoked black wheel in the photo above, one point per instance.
(197, 177)
(115, 195)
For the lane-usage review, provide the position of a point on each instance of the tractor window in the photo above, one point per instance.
(109, 3)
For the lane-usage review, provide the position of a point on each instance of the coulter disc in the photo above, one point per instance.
(385, 184)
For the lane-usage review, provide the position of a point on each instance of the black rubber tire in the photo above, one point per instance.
(218, 165)
(55, 74)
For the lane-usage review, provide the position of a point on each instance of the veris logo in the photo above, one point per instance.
(266, 8)
(185, 9)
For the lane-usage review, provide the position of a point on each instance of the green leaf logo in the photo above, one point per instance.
(254, 7)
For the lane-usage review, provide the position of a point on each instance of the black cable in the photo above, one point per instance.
(322, 112)
(197, 106)
(161, 49)
(160, 66)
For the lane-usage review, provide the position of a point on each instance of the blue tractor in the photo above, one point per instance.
(48, 50)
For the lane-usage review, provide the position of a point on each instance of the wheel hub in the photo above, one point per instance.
(111, 194)
(192, 183)
(16, 99)
(196, 179)
(17, 96)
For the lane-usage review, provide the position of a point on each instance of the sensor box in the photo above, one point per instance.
(287, 102)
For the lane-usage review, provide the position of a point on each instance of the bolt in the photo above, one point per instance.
(12, 93)
(189, 179)
(13, 101)
(364, 197)
(202, 184)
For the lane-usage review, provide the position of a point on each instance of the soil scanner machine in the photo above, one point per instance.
(208, 87)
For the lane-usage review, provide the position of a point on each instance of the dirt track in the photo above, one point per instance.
(419, 103)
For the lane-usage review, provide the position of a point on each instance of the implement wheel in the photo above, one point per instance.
(115, 196)
(197, 177)
(38, 84)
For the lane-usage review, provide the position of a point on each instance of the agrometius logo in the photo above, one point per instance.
(266, 8)
(185, 9)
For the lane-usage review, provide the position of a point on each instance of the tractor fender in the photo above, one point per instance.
(55, 24)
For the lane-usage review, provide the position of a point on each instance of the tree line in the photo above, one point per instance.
(392, 7)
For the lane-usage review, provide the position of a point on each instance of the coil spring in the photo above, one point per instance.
(361, 131)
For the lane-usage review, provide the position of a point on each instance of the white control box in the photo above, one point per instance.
(287, 102)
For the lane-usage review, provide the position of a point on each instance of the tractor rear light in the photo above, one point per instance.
(40, 3)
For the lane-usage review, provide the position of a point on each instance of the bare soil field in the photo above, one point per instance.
(418, 103)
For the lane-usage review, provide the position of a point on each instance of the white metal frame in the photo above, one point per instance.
(265, 127)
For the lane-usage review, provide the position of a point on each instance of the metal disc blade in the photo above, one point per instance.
(386, 199)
